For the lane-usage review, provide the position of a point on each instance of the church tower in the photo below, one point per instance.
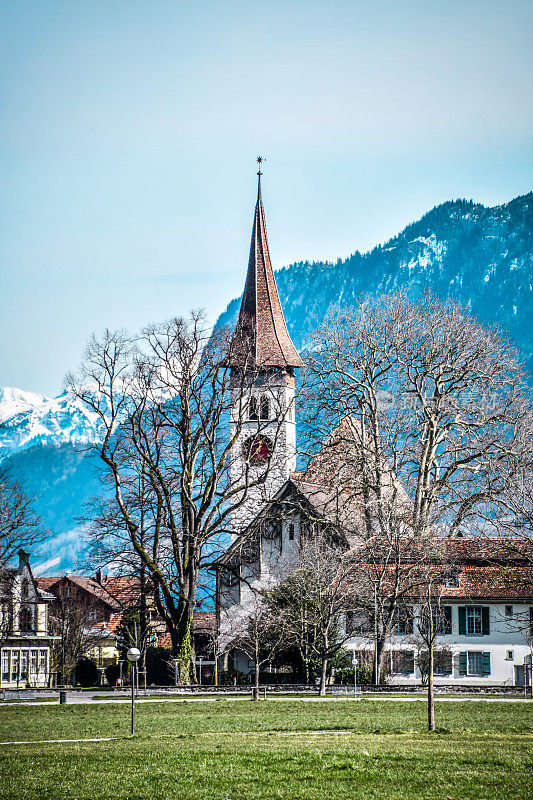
(263, 363)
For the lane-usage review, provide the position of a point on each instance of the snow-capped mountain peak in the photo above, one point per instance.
(13, 401)
(28, 419)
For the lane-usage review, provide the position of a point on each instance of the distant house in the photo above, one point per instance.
(25, 640)
(485, 621)
(102, 599)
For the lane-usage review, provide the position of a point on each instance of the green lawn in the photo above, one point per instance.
(227, 750)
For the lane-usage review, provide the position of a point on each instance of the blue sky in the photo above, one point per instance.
(129, 132)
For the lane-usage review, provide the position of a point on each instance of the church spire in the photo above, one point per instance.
(261, 336)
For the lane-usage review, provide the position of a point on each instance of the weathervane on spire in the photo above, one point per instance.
(259, 160)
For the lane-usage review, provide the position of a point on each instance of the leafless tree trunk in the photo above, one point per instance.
(71, 621)
(431, 690)
(259, 634)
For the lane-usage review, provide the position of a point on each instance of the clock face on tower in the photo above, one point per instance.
(257, 450)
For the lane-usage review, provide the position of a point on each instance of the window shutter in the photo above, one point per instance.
(409, 625)
(409, 661)
(462, 662)
(485, 616)
(486, 662)
(462, 621)
(447, 619)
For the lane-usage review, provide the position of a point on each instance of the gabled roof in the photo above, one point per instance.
(261, 338)
(204, 623)
(89, 585)
(125, 589)
(46, 582)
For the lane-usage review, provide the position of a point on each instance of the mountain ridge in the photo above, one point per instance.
(482, 256)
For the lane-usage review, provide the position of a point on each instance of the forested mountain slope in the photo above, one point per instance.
(481, 256)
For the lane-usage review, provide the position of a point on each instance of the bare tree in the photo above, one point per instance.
(165, 399)
(431, 407)
(260, 635)
(432, 621)
(314, 599)
(71, 622)
(20, 527)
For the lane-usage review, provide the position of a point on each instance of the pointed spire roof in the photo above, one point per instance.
(261, 335)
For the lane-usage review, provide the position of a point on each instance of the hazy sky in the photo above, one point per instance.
(130, 130)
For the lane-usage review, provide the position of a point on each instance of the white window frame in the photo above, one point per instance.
(474, 615)
(478, 655)
(34, 661)
(6, 660)
(15, 665)
(24, 664)
(43, 662)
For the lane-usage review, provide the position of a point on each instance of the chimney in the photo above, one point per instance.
(24, 558)
(99, 577)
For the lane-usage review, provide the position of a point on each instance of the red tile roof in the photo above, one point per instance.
(483, 569)
(114, 590)
(492, 582)
(261, 338)
(89, 585)
(46, 582)
(204, 623)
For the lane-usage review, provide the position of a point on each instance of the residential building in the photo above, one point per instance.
(484, 615)
(100, 602)
(25, 640)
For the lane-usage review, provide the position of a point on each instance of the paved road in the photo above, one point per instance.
(104, 698)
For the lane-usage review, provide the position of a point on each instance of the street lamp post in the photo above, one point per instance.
(354, 662)
(133, 655)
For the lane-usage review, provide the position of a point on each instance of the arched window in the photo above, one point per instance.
(252, 409)
(265, 407)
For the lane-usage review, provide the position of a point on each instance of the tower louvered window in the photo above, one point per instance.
(252, 409)
(265, 408)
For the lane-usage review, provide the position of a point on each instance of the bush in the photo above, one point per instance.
(345, 676)
(227, 678)
(86, 672)
(112, 673)
(159, 667)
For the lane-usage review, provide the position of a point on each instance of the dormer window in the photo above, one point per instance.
(25, 619)
(451, 580)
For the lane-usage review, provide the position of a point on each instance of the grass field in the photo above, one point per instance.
(226, 750)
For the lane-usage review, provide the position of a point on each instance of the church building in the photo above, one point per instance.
(488, 637)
